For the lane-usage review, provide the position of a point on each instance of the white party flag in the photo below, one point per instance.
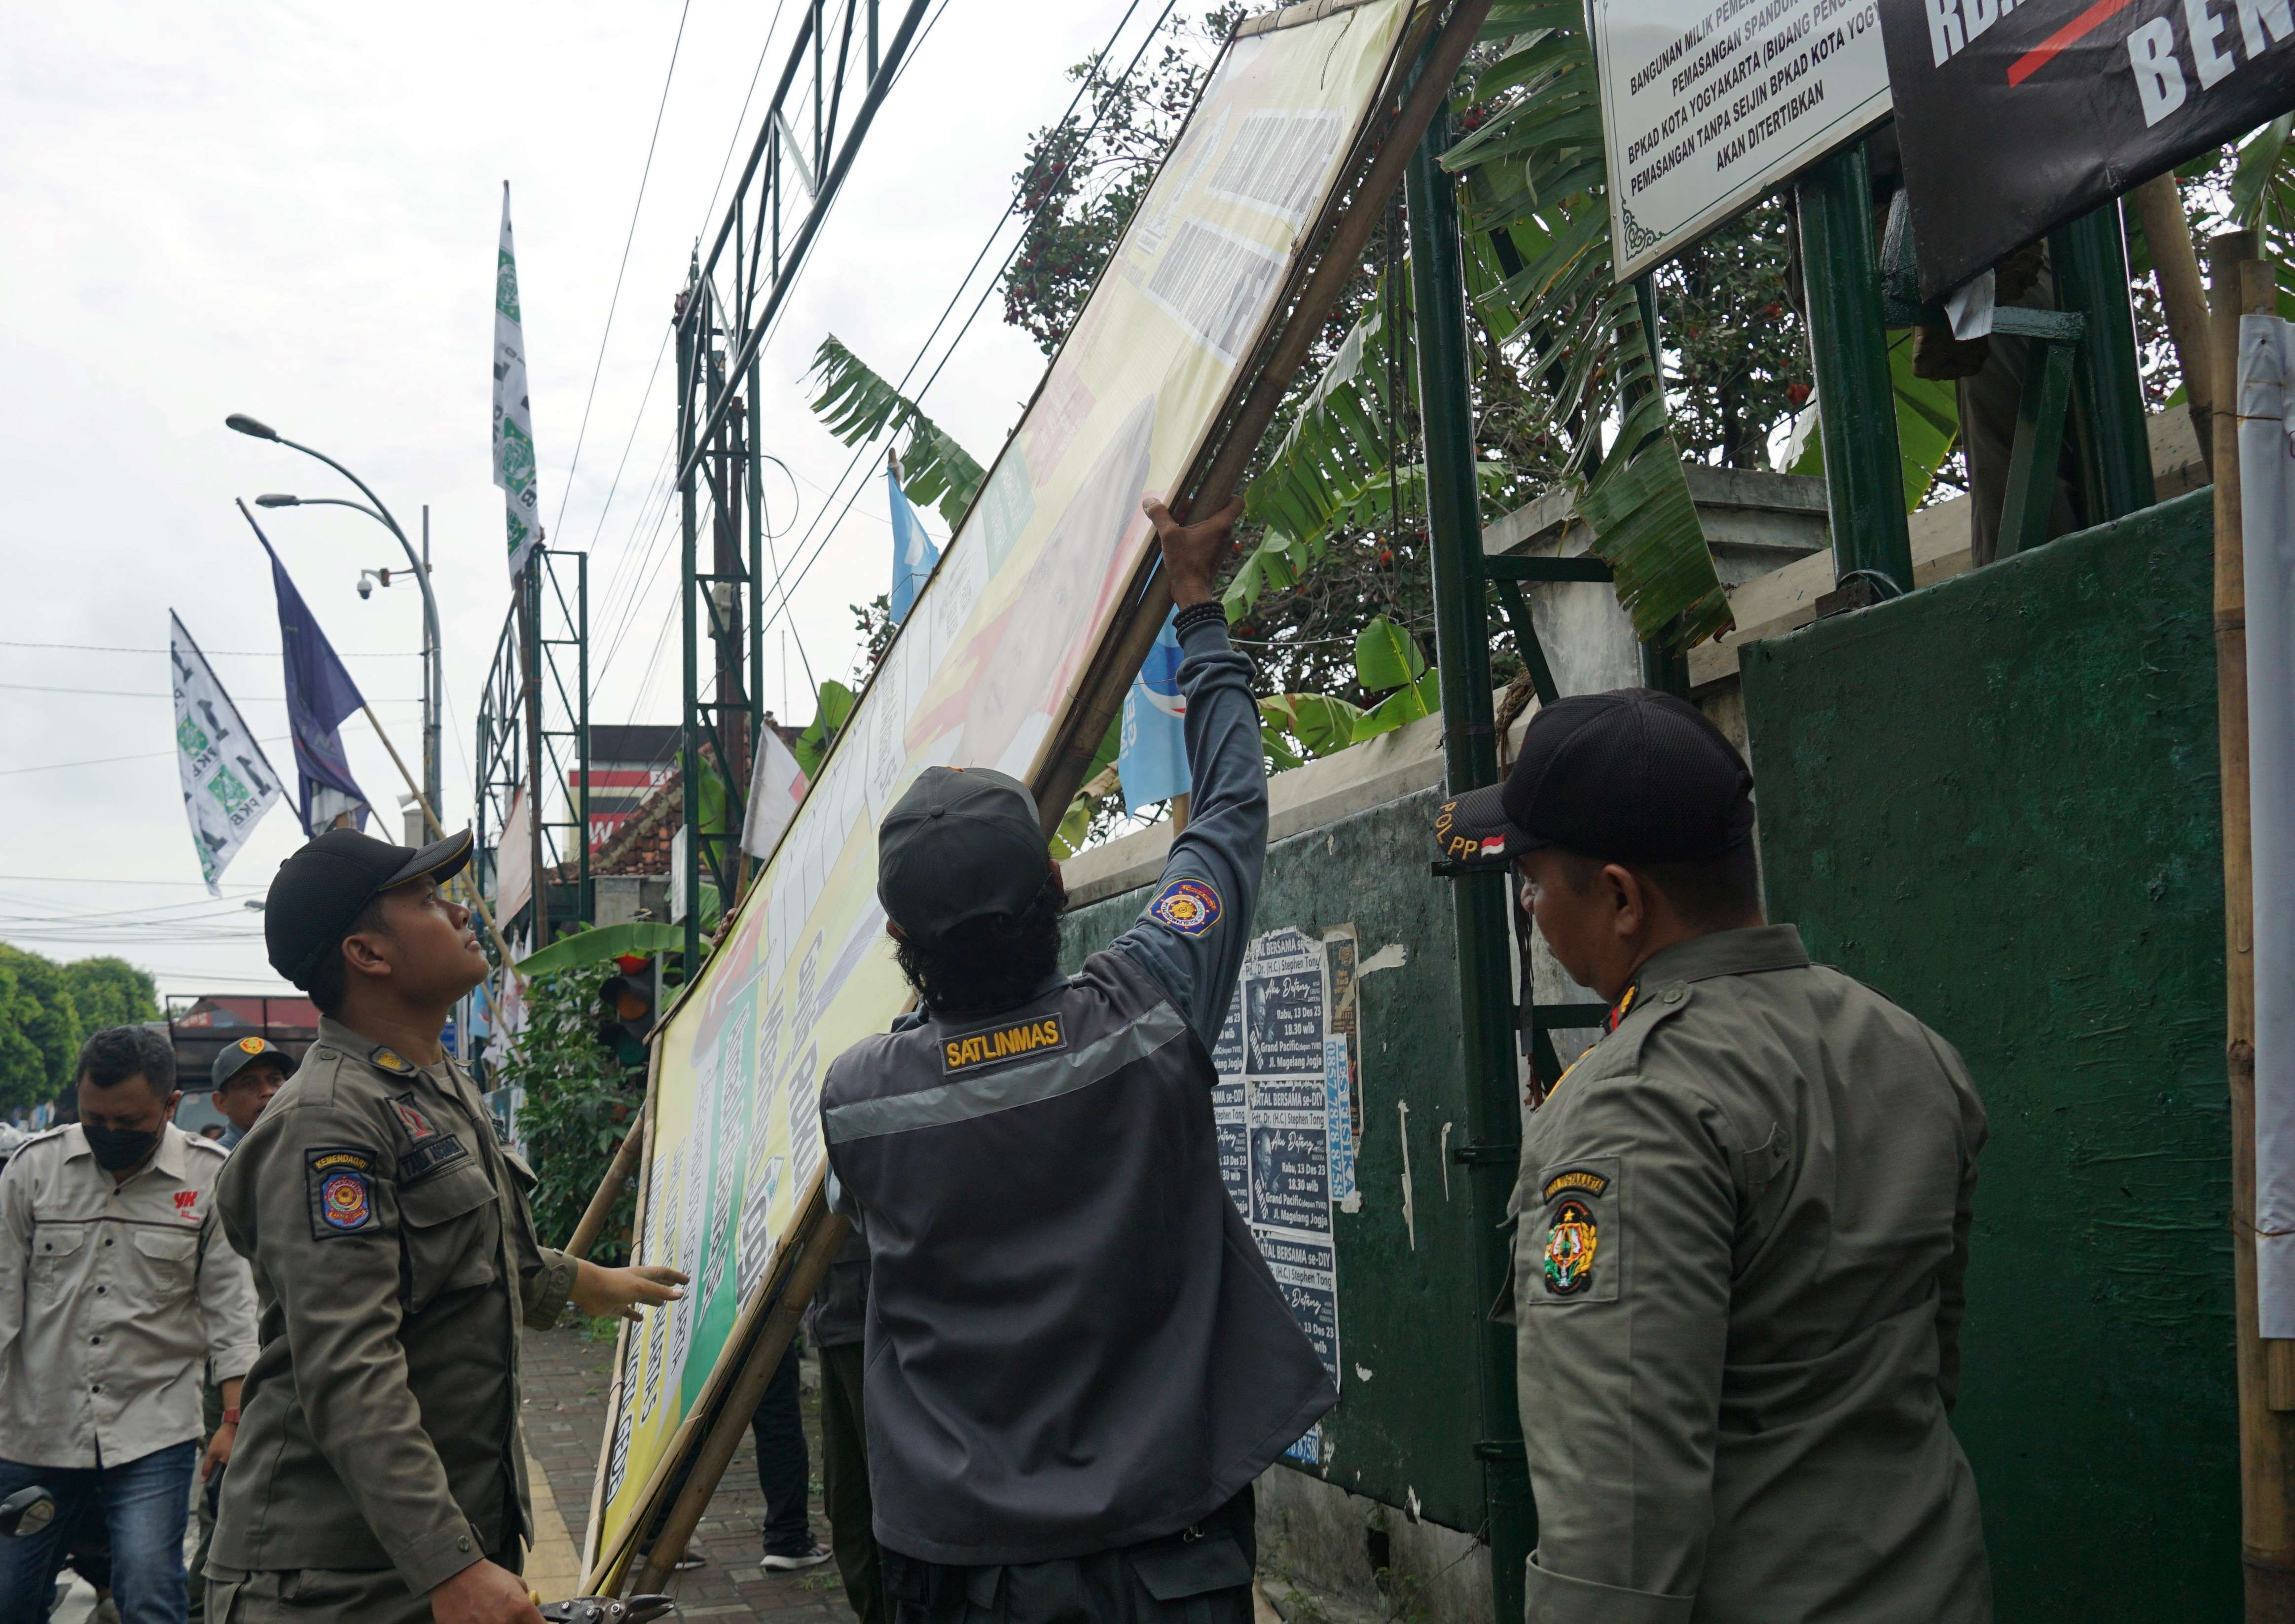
(776, 785)
(513, 417)
(228, 782)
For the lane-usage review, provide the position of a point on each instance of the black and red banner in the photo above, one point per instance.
(2014, 118)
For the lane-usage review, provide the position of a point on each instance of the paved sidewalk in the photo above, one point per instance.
(567, 1376)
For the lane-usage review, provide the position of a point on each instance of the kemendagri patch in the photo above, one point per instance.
(1040, 1034)
(1189, 906)
(390, 1060)
(340, 1180)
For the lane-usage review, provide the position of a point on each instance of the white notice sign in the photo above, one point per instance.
(1708, 103)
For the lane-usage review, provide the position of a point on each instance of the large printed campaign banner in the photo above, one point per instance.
(980, 671)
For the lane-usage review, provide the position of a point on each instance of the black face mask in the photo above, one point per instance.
(116, 1149)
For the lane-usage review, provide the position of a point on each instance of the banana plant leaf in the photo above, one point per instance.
(1927, 424)
(1101, 785)
(856, 405)
(641, 937)
(1538, 175)
(1322, 723)
(1386, 655)
(832, 707)
(1423, 698)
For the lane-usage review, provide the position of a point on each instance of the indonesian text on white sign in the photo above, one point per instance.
(1708, 103)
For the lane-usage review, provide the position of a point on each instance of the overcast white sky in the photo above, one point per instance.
(289, 210)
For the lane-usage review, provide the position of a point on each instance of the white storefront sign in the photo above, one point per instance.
(1706, 104)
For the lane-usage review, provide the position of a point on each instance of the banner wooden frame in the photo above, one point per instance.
(1421, 68)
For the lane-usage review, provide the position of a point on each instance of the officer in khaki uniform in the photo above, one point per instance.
(1742, 1218)
(380, 1473)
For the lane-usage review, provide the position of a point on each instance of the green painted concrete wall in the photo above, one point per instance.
(1407, 1312)
(1996, 802)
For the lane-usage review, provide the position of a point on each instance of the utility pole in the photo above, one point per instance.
(1462, 641)
(529, 637)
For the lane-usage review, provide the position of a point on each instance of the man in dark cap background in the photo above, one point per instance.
(1743, 1217)
(1075, 1361)
(246, 1074)
(380, 1474)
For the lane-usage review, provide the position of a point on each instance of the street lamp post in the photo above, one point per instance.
(434, 682)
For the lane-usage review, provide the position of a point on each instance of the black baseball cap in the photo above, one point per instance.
(962, 843)
(1632, 776)
(235, 1057)
(319, 891)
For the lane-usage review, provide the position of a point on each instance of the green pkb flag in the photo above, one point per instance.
(513, 417)
(228, 783)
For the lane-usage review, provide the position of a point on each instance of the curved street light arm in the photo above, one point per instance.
(437, 661)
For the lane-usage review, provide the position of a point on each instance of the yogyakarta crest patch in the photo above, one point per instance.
(1572, 1239)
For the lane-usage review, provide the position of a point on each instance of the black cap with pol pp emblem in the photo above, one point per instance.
(1629, 776)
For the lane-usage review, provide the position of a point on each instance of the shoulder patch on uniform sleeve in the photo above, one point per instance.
(1579, 1235)
(1190, 907)
(390, 1060)
(339, 1181)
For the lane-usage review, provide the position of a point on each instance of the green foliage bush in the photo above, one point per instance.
(578, 1104)
(47, 1011)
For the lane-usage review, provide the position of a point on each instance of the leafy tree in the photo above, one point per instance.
(25, 1079)
(110, 993)
(46, 1018)
(578, 1104)
(1084, 176)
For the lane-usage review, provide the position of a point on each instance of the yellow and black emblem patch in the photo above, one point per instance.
(1585, 1181)
(390, 1060)
(1579, 1250)
(1040, 1034)
(1572, 1239)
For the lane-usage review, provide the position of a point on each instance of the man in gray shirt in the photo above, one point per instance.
(1076, 1360)
(117, 1291)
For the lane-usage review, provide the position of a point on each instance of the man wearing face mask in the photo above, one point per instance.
(118, 1292)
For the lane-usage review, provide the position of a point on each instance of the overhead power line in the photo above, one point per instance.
(645, 174)
(248, 654)
(1003, 220)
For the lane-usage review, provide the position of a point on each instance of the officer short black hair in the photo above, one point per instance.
(1633, 777)
(114, 1055)
(333, 889)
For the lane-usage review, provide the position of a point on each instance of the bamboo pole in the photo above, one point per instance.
(2159, 207)
(2266, 1432)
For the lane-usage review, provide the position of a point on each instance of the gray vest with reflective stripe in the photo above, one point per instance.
(1073, 1343)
